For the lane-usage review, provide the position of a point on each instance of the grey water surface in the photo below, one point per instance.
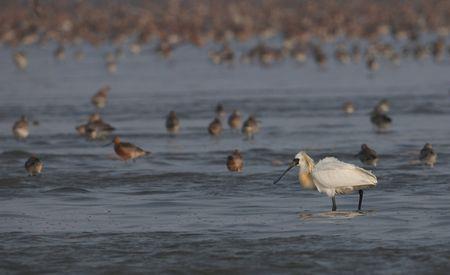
(180, 210)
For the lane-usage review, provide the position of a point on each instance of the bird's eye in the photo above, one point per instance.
(296, 161)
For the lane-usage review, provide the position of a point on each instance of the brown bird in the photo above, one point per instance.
(348, 107)
(59, 53)
(215, 127)
(235, 163)
(427, 155)
(100, 98)
(234, 121)
(34, 166)
(127, 150)
(172, 123)
(21, 128)
(381, 120)
(250, 127)
(97, 128)
(367, 155)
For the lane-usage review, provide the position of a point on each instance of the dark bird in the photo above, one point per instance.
(215, 127)
(367, 155)
(172, 123)
(427, 155)
(220, 112)
(235, 163)
(372, 63)
(34, 166)
(96, 127)
(250, 127)
(381, 120)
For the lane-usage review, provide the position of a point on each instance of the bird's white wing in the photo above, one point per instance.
(331, 173)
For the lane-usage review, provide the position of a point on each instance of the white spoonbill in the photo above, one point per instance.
(332, 176)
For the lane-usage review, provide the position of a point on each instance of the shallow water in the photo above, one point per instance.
(180, 210)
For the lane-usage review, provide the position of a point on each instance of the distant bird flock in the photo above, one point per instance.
(375, 33)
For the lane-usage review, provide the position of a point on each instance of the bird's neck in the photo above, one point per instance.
(306, 180)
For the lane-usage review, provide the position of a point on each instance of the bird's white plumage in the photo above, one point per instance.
(332, 177)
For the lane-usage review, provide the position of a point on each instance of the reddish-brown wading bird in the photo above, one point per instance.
(127, 151)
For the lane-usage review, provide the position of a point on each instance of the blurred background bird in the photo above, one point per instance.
(21, 128)
(101, 97)
(172, 123)
(235, 162)
(250, 127)
(348, 107)
(234, 121)
(215, 127)
(367, 155)
(427, 155)
(34, 166)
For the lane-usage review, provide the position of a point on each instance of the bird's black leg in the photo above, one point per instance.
(360, 199)
(333, 199)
